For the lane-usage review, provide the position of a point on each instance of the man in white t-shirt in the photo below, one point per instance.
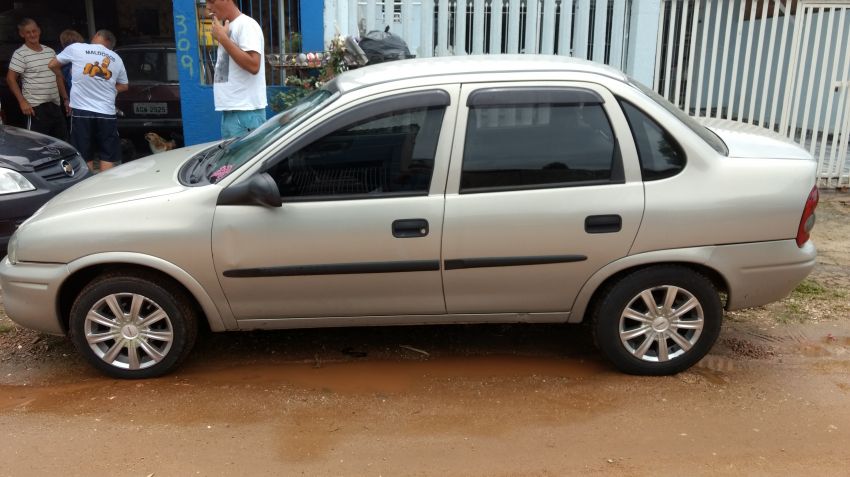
(97, 75)
(240, 75)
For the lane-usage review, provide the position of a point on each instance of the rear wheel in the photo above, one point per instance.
(133, 325)
(657, 321)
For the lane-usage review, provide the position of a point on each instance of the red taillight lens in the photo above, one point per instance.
(807, 221)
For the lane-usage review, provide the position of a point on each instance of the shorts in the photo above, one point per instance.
(96, 131)
(240, 123)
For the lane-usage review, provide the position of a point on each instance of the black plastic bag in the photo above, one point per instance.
(381, 46)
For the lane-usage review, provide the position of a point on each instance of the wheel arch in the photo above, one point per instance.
(84, 270)
(602, 280)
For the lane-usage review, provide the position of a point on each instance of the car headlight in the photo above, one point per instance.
(12, 249)
(12, 182)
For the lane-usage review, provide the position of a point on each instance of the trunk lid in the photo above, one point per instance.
(749, 141)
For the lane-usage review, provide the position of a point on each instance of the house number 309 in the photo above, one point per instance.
(184, 45)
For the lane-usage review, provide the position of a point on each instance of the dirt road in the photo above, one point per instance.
(773, 398)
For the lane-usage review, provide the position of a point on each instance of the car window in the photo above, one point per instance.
(537, 145)
(390, 154)
(171, 72)
(150, 65)
(660, 155)
(703, 132)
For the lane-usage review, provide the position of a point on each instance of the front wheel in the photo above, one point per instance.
(132, 325)
(657, 321)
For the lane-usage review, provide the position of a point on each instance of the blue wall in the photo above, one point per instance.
(201, 123)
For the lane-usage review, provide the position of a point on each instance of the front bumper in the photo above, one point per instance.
(15, 208)
(30, 292)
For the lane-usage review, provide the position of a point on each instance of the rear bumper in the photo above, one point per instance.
(761, 273)
(30, 293)
(141, 123)
(146, 124)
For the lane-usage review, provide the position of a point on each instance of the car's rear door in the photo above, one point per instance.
(544, 189)
(360, 227)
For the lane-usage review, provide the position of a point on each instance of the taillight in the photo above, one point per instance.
(807, 221)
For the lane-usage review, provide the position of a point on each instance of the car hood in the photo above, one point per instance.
(152, 176)
(23, 150)
(747, 140)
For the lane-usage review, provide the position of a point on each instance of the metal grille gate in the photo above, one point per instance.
(592, 29)
(817, 103)
(781, 65)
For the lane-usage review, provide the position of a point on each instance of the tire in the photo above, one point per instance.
(653, 341)
(154, 334)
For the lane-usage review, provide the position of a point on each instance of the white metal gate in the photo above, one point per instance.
(817, 103)
(782, 65)
(592, 29)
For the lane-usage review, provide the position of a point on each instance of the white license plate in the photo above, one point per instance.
(150, 108)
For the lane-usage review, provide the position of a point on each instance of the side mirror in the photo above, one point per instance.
(260, 189)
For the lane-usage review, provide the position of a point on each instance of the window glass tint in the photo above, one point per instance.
(706, 134)
(537, 145)
(391, 153)
(660, 155)
(152, 65)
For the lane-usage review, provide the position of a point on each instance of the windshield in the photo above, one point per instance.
(217, 163)
(706, 134)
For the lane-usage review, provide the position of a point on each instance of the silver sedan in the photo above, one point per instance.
(453, 190)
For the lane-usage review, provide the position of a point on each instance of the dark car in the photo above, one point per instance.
(33, 168)
(152, 104)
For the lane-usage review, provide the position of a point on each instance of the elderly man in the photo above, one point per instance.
(97, 75)
(42, 89)
(239, 85)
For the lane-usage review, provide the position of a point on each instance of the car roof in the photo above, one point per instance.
(472, 64)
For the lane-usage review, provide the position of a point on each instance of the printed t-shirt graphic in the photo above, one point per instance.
(95, 71)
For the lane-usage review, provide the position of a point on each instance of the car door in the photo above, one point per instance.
(359, 230)
(542, 192)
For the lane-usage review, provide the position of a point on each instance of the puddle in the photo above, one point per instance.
(48, 398)
(392, 376)
(828, 346)
(210, 383)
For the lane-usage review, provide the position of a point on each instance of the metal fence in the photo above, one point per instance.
(779, 65)
(591, 29)
(280, 21)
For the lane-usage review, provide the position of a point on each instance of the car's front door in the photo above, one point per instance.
(359, 230)
(543, 191)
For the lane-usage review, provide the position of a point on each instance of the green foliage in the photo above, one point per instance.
(812, 289)
(311, 77)
(293, 44)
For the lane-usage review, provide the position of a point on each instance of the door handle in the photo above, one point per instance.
(409, 228)
(603, 224)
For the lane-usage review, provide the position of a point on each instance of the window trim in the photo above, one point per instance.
(512, 96)
(675, 142)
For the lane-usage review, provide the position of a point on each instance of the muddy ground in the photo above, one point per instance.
(772, 398)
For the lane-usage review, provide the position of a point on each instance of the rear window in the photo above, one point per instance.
(157, 66)
(709, 137)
